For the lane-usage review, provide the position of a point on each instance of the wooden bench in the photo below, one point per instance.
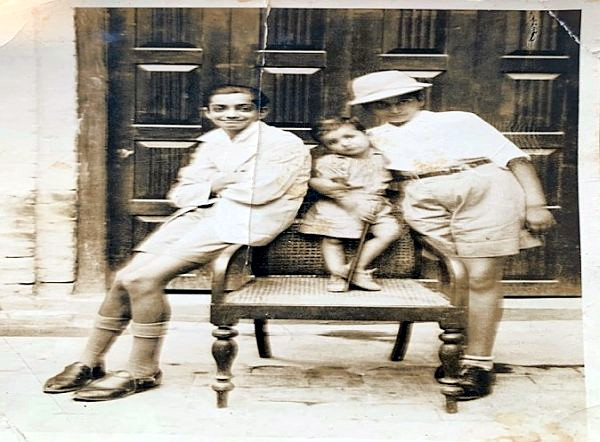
(288, 281)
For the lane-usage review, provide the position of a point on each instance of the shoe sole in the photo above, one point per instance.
(71, 389)
(366, 288)
(129, 393)
(472, 398)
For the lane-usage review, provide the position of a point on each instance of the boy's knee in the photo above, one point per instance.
(482, 282)
(137, 282)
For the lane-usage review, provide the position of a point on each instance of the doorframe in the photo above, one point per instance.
(91, 26)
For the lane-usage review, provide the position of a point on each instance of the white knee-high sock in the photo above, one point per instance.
(485, 362)
(147, 343)
(106, 330)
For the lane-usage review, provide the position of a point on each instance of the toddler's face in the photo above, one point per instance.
(346, 140)
(232, 112)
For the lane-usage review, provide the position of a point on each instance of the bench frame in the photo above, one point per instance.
(451, 319)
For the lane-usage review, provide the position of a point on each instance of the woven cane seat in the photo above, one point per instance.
(306, 291)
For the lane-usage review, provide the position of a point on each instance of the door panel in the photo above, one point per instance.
(156, 92)
(522, 78)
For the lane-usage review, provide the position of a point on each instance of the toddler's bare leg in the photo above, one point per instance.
(383, 236)
(333, 255)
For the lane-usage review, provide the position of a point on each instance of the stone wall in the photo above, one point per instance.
(38, 162)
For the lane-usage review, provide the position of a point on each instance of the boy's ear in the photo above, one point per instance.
(263, 112)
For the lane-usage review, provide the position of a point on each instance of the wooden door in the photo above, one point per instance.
(160, 68)
(516, 69)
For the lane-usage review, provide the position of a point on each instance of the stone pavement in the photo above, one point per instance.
(327, 382)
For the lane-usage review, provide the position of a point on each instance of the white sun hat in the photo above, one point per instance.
(383, 84)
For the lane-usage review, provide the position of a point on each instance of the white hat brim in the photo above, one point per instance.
(388, 93)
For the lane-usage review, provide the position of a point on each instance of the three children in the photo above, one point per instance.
(465, 185)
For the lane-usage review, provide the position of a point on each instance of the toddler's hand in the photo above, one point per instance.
(367, 211)
(538, 219)
(328, 187)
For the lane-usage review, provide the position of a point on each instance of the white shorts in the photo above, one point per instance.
(189, 236)
(477, 213)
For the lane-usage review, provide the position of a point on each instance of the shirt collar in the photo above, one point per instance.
(389, 127)
(220, 136)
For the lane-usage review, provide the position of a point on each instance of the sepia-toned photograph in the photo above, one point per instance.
(288, 221)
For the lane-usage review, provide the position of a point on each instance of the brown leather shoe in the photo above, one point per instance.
(72, 378)
(116, 385)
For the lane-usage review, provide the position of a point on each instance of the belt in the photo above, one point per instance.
(469, 164)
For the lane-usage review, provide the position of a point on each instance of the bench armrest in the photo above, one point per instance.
(220, 266)
(453, 278)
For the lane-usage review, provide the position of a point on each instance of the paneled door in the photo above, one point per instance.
(516, 69)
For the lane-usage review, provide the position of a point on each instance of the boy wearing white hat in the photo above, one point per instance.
(465, 185)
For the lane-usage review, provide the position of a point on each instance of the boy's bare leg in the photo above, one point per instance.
(485, 304)
(113, 316)
(150, 309)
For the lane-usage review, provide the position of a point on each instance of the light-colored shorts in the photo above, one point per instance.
(189, 236)
(476, 213)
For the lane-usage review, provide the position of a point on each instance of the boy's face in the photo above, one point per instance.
(346, 140)
(395, 110)
(232, 112)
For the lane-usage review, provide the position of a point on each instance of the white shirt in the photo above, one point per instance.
(437, 140)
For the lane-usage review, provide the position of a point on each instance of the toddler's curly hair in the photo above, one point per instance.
(327, 124)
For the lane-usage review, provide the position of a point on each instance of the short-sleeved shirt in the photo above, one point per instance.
(437, 140)
(476, 213)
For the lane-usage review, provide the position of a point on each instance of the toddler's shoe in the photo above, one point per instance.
(336, 284)
(364, 280)
(72, 378)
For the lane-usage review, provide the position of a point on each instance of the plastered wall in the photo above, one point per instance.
(38, 161)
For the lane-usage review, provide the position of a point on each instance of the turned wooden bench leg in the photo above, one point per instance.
(449, 354)
(402, 340)
(224, 350)
(261, 334)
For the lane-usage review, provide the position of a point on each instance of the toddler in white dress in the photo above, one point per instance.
(358, 172)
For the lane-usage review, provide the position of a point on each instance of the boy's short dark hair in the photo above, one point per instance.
(259, 99)
(328, 124)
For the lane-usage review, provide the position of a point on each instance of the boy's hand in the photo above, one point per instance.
(222, 180)
(538, 219)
